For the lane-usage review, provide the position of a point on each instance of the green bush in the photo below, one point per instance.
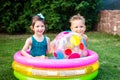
(16, 14)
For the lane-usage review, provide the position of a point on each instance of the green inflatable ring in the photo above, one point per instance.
(84, 77)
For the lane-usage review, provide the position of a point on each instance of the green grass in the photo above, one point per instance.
(107, 46)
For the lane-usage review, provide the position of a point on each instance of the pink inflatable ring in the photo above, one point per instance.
(56, 63)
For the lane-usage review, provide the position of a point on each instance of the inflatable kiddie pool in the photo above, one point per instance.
(83, 68)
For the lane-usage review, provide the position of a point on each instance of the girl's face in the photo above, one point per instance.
(78, 26)
(39, 28)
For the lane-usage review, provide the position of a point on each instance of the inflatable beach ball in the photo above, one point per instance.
(69, 45)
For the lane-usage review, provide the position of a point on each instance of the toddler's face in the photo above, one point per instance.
(39, 27)
(78, 26)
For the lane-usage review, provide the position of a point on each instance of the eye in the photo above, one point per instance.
(37, 26)
(42, 26)
(81, 26)
(76, 26)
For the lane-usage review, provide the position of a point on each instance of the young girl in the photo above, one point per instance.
(39, 44)
(78, 26)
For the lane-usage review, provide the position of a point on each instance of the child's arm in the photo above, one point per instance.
(52, 46)
(26, 47)
(86, 39)
(48, 44)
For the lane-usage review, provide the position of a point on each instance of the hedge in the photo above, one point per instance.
(16, 14)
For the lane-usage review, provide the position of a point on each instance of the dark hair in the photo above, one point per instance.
(36, 18)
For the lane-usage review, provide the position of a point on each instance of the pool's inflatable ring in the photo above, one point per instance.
(50, 72)
(83, 77)
(56, 63)
(85, 68)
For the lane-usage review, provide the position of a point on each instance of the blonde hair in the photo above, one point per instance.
(77, 17)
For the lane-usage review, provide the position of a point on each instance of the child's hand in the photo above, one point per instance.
(40, 57)
(51, 47)
(51, 50)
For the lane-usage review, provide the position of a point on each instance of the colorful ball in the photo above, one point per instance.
(69, 45)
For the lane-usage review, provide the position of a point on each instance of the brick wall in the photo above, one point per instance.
(109, 22)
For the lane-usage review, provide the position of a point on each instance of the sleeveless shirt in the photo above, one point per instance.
(38, 48)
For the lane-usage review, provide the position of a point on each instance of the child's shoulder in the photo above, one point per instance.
(29, 39)
(85, 36)
(47, 38)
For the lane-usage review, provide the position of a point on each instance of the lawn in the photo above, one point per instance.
(107, 46)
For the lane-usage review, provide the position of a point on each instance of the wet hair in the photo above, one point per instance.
(77, 17)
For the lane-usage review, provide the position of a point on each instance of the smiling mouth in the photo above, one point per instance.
(40, 31)
(80, 32)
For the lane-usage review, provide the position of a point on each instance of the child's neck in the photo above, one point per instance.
(38, 37)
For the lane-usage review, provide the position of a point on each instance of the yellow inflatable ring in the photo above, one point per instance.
(54, 72)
